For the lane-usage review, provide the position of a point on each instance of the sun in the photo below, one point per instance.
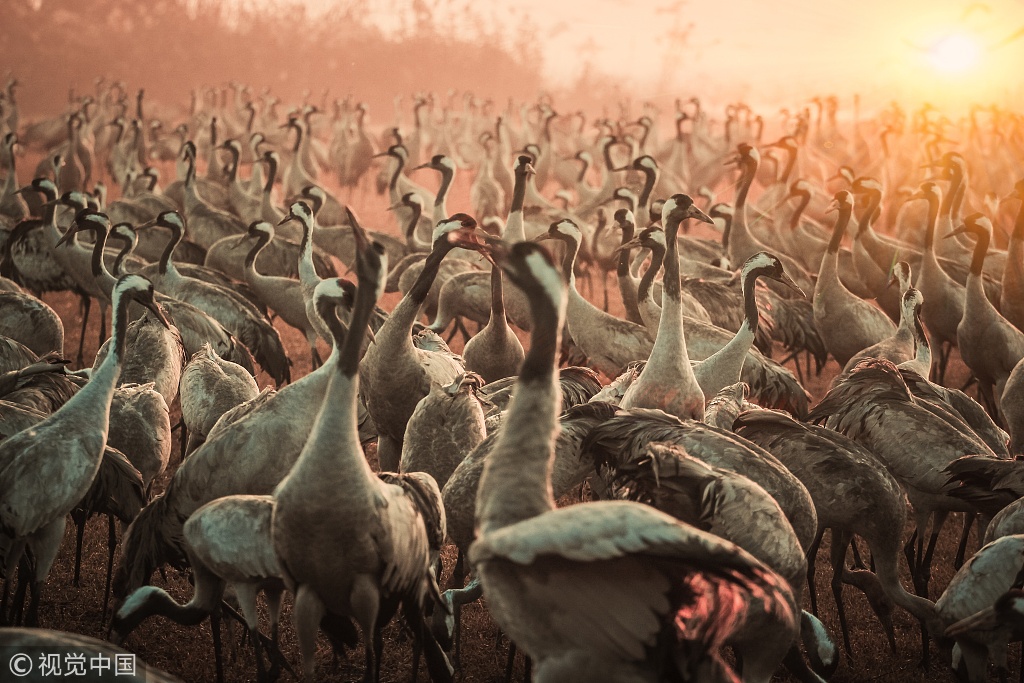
(955, 53)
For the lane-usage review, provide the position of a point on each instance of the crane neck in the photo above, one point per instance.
(497, 297)
(874, 199)
(726, 232)
(933, 219)
(268, 186)
(607, 152)
(421, 288)
(327, 311)
(516, 481)
(127, 249)
(955, 181)
(233, 165)
(447, 176)
(794, 220)
(650, 180)
(250, 259)
(351, 348)
(958, 200)
(307, 271)
(923, 356)
(166, 259)
(584, 167)
(572, 248)
(750, 314)
(1018, 226)
(415, 211)
(980, 250)
(151, 601)
(647, 281)
(746, 180)
(99, 268)
(787, 171)
(399, 165)
(622, 269)
(842, 222)
(670, 284)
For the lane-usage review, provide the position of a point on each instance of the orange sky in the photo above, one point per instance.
(771, 49)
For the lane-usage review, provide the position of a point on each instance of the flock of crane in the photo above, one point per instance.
(707, 472)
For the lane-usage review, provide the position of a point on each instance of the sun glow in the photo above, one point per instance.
(955, 53)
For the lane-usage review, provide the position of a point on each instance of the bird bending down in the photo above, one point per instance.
(227, 542)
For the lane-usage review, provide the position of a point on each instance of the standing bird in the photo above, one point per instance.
(1011, 303)
(358, 556)
(209, 387)
(32, 322)
(556, 580)
(45, 471)
(239, 316)
(395, 374)
(671, 384)
(847, 323)
(248, 451)
(994, 570)
(989, 344)
(283, 295)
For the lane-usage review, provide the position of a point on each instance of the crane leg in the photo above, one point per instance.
(961, 550)
(511, 662)
(218, 653)
(925, 568)
(812, 556)
(79, 517)
(111, 547)
(840, 542)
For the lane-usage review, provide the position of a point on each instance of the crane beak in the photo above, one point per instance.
(959, 231)
(985, 620)
(152, 305)
(416, 168)
(544, 236)
(832, 208)
(241, 240)
(627, 246)
(289, 217)
(358, 234)
(785, 279)
(379, 154)
(66, 238)
(530, 170)
(732, 161)
(694, 212)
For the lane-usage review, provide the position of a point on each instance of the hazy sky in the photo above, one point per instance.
(770, 48)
